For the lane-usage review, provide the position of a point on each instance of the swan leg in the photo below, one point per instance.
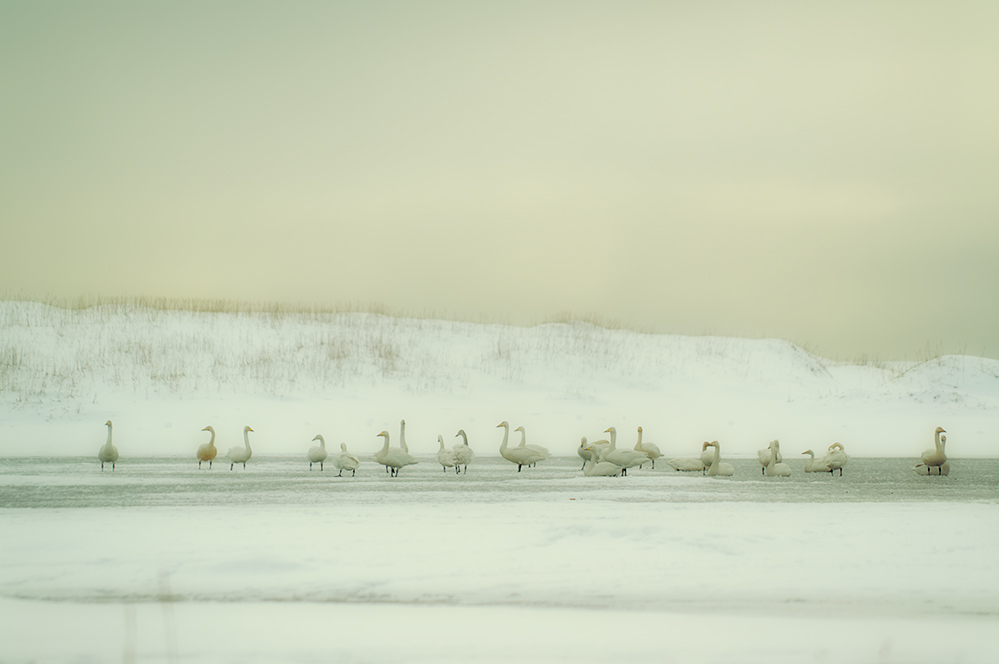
(310, 465)
(102, 466)
(199, 464)
(209, 464)
(518, 467)
(231, 465)
(112, 468)
(352, 473)
(320, 466)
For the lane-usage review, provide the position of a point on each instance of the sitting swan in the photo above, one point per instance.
(522, 456)
(445, 457)
(596, 466)
(718, 468)
(836, 458)
(813, 465)
(775, 468)
(317, 454)
(394, 458)
(651, 450)
(346, 461)
(935, 458)
(624, 458)
(764, 455)
(208, 451)
(240, 454)
(690, 464)
(108, 452)
(463, 454)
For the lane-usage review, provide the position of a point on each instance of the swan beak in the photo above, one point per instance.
(606, 430)
(249, 429)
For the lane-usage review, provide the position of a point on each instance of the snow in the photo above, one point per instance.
(162, 376)
(279, 563)
(160, 561)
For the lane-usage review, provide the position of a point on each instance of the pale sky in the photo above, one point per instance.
(826, 173)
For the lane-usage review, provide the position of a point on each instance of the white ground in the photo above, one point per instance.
(157, 562)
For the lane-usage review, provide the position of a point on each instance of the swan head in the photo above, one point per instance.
(519, 429)
(705, 445)
(836, 446)
(247, 428)
(440, 439)
(208, 428)
(809, 452)
(639, 429)
(108, 423)
(938, 431)
(383, 433)
(582, 442)
(610, 430)
(504, 423)
(319, 436)
(461, 432)
(943, 439)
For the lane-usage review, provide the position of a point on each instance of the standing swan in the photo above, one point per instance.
(543, 451)
(346, 461)
(775, 468)
(394, 458)
(463, 454)
(651, 450)
(108, 453)
(836, 458)
(208, 451)
(445, 457)
(624, 458)
(522, 456)
(317, 453)
(718, 468)
(240, 454)
(935, 458)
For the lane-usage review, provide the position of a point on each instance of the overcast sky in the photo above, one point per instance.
(822, 172)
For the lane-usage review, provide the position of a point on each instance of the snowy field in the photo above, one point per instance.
(161, 562)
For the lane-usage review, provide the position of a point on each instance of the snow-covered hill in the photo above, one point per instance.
(163, 375)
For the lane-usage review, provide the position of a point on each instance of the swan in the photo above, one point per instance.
(396, 457)
(445, 457)
(624, 458)
(718, 468)
(690, 464)
(108, 452)
(317, 454)
(208, 451)
(764, 455)
(935, 458)
(836, 458)
(776, 468)
(596, 466)
(584, 452)
(537, 448)
(651, 450)
(240, 454)
(522, 456)
(346, 461)
(463, 454)
(813, 465)
(707, 455)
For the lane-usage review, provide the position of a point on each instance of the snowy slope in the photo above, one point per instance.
(164, 375)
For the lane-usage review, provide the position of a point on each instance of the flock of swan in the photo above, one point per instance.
(601, 458)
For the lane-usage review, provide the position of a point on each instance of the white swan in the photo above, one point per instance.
(108, 452)
(522, 456)
(776, 468)
(596, 466)
(240, 454)
(935, 458)
(718, 468)
(317, 454)
(765, 454)
(463, 454)
(445, 457)
(584, 452)
(836, 458)
(543, 451)
(690, 464)
(346, 461)
(651, 450)
(396, 457)
(813, 465)
(208, 451)
(624, 458)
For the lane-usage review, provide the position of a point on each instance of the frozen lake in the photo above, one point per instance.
(159, 561)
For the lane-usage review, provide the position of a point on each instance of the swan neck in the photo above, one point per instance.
(936, 441)
(523, 436)
(212, 441)
(506, 438)
(386, 445)
(246, 439)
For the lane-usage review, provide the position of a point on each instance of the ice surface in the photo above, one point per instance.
(277, 563)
